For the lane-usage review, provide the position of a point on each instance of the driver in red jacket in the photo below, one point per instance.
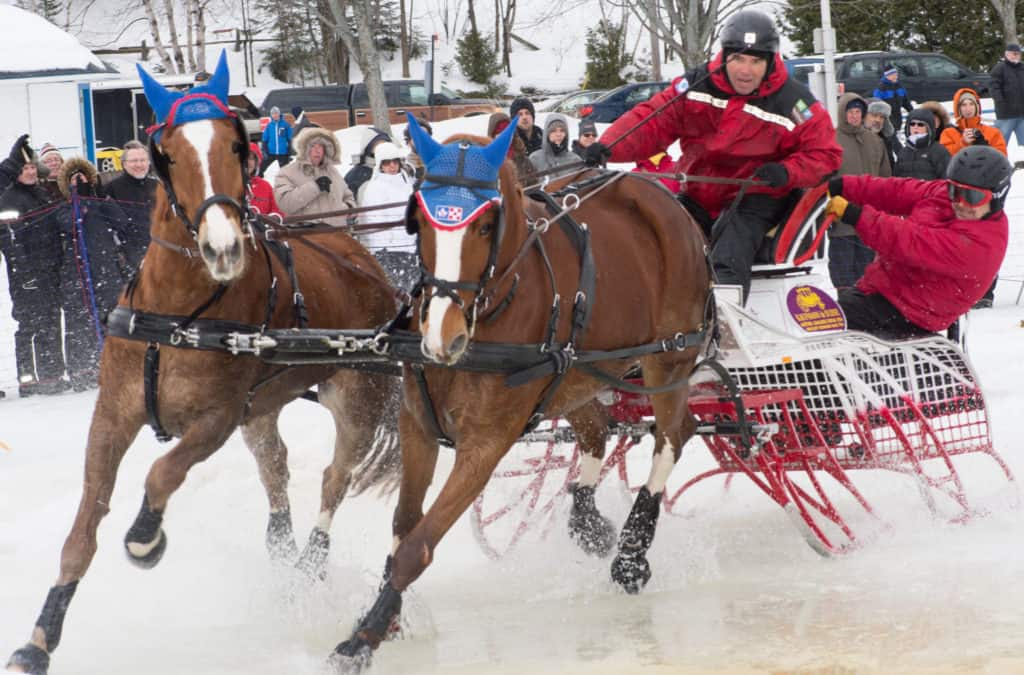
(747, 119)
(938, 244)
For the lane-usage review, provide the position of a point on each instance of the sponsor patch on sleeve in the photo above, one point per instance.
(682, 85)
(801, 112)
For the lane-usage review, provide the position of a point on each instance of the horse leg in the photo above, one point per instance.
(476, 457)
(146, 542)
(356, 401)
(673, 427)
(591, 531)
(264, 441)
(111, 432)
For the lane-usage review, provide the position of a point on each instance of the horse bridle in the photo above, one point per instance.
(161, 164)
(444, 287)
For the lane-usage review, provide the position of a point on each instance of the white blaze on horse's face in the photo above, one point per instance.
(445, 334)
(220, 234)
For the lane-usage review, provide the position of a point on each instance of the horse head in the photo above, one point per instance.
(199, 151)
(459, 215)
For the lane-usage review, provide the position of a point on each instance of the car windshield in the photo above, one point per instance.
(611, 94)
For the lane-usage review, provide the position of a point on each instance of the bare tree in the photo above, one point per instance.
(687, 27)
(158, 41)
(403, 38)
(361, 46)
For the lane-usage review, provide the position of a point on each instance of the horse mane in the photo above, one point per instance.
(508, 178)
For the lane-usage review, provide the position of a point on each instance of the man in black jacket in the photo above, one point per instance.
(522, 113)
(30, 243)
(1008, 94)
(135, 192)
(10, 167)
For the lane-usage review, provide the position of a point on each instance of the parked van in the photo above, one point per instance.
(344, 105)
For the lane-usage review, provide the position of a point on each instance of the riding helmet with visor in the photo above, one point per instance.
(979, 175)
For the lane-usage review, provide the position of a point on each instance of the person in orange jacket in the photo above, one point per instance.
(969, 130)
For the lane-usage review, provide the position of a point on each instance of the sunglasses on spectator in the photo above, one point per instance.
(917, 124)
(588, 135)
(967, 195)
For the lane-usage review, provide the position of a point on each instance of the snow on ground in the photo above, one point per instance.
(735, 588)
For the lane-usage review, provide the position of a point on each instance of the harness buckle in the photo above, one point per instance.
(573, 197)
(189, 335)
(379, 344)
(131, 324)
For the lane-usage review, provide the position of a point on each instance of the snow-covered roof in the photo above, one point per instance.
(32, 46)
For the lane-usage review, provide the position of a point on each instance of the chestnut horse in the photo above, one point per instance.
(651, 284)
(201, 255)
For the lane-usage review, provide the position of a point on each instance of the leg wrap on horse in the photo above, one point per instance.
(51, 619)
(594, 533)
(145, 541)
(354, 654)
(30, 659)
(630, 568)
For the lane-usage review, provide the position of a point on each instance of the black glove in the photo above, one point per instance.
(597, 154)
(21, 151)
(772, 173)
(325, 183)
(835, 186)
(979, 138)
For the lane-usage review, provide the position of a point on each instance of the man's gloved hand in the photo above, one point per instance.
(597, 154)
(843, 210)
(773, 173)
(21, 151)
(835, 186)
(325, 183)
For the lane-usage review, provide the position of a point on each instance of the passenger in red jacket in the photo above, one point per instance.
(746, 119)
(938, 244)
(262, 197)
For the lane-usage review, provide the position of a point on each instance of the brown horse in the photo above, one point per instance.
(201, 255)
(651, 283)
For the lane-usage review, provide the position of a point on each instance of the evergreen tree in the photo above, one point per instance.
(476, 58)
(386, 33)
(606, 55)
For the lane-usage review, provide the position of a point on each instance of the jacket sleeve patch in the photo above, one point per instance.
(801, 112)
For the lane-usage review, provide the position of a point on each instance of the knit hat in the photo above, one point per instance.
(858, 103)
(275, 109)
(521, 103)
(879, 108)
(891, 70)
(587, 127)
(960, 101)
(296, 111)
(47, 149)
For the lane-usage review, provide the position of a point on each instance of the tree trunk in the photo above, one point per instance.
(201, 36)
(365, 53)
(472, 17)
(158, 43)
(403, 38)
(172, 31)
(1007, 11)
(655, 44)
(508, 21)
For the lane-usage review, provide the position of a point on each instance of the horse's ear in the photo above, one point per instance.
(218, 83)
(496, 151)
(426, 147)
(159, 97)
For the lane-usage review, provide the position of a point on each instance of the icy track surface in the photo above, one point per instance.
(735, 587)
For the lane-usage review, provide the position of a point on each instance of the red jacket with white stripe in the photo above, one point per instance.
(262, 198)
(931, 265)
(724, 134)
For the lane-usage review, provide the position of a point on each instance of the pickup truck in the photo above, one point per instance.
(344, 105)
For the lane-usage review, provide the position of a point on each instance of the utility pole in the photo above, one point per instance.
(827, 39)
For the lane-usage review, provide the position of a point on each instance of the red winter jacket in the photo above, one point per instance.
(262, 197)
(727, 135)
(931, 265)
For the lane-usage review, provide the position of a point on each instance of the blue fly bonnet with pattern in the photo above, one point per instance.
(207, 101)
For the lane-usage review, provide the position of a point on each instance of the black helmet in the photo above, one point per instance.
(982, 166)
(751, 31)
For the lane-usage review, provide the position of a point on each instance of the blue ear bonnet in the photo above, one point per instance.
(207, 101)
(461, 180)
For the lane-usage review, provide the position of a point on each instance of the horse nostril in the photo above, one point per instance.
(458, 344)
(208, 252)
(236, 250)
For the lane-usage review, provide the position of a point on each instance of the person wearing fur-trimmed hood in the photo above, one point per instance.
(311, 184)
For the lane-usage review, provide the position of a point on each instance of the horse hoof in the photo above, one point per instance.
(313, 561)
(592, 532)
(351, 657)
(146, 556)
(280, 537)
(29, 659)
(631, 572)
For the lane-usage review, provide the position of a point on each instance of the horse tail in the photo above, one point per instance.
(381, 468)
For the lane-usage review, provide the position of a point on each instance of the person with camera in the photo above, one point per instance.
(30, 244)
(311, 184)
(740, 116)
